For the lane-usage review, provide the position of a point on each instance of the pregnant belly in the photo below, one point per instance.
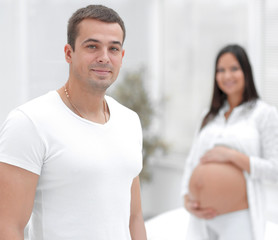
(220, 186)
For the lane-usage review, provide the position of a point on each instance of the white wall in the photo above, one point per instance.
(191, 34)
(175, 40)
(33, 35)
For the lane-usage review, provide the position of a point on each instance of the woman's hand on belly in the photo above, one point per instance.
(194, 208)
(219, 154)
(222, 154)
(220, 186)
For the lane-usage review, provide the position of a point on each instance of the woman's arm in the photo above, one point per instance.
(266, 166)
(225, 154)
(263, 167)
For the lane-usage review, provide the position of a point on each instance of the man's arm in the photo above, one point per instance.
(17, 192)
(136, 224)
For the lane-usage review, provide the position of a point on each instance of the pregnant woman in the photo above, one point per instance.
(234, 151)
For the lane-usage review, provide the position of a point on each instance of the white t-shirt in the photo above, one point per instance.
(86, 169)
(252, 128)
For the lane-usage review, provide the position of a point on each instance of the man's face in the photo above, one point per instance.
(98, 54)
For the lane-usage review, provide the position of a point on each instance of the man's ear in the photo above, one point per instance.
(68, 53)
(123, 53)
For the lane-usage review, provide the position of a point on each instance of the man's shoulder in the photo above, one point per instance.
(39, 103)
(121, 113)
(37, 108)
(119, 106)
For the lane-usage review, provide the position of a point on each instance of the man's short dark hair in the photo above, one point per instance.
(98, 12)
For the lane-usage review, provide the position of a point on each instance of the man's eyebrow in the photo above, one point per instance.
(97, 41)
(117, 42)
(90, 40)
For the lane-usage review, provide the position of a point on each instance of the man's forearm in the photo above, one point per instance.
(8, 232)
(137, 228)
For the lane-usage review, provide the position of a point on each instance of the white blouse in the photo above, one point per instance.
(252, 129)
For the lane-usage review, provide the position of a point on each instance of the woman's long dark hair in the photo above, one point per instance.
(219, 97)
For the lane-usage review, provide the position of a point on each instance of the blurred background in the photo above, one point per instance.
(170, 46)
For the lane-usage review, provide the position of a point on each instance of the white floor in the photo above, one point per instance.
(172, 225)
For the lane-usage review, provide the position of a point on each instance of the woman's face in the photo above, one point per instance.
(229, 76)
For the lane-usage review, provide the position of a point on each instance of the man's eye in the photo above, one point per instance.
(114, 49)
(91, 46)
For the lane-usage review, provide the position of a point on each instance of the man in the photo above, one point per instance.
(71, 158)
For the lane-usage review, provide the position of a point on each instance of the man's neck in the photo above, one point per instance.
(86, 104)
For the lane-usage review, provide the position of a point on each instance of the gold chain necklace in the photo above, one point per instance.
(75, 108)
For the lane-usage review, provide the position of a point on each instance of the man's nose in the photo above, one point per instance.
(103, 56)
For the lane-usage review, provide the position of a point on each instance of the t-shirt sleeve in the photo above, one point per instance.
(20, 143)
